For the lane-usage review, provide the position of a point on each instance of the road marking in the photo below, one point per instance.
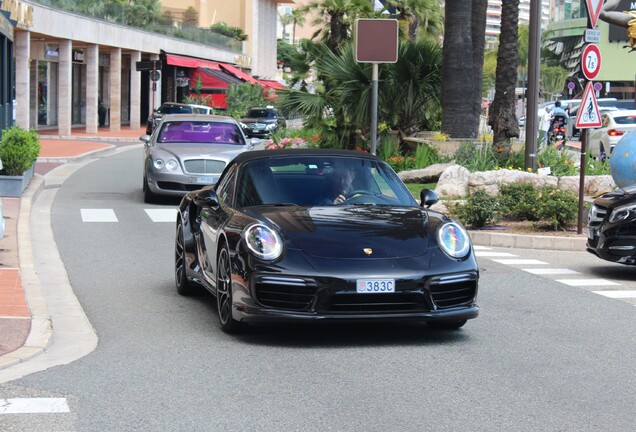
(98, 215)
(550, 271)
(519, 261)
(162, 215)
(33, 406)
(617, 294)
(586, 282)
(494, 254)
(481, 248)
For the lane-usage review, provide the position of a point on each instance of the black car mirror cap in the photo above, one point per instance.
(206, 199)
(428, 198)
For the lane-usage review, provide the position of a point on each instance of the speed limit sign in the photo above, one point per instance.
(591, 61)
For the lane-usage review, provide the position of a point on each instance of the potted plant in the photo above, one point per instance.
(19, 149)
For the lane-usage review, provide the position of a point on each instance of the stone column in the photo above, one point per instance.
(65, 86)
(92, 82)
(22, 46)
(135, 91)
(34, 94)
(115, 89)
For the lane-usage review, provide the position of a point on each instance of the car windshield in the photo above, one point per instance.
(261, 113)
(174, 109)
(200, 132)
(625, 120)
(315, 180)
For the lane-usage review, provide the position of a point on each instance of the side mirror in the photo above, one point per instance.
(206, 199)
(428, 198)
(254, 142)
(145, 139)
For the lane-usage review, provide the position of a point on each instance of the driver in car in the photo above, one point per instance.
(338, 185)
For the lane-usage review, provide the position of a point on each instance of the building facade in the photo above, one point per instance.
(70, 68)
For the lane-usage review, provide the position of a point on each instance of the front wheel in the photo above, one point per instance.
(224, 291)
(184, 286)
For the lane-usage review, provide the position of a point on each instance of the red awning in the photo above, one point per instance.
(190, 62)
(273, 84)
(238, 73)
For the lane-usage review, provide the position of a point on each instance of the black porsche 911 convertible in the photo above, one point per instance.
(322, 235)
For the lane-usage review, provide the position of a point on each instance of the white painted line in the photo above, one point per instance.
(98, 215)
(494, 254)
(550, 271)
(481, 248)
(617, 294)
(587, 282)
(519, 261)
(162, 215)
(33, 406)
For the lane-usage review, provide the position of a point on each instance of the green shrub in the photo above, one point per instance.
(479, 210)
(558, 207)
(560, 162)
(19, 149)
(426, 155)
(519, 201)
(597, 167)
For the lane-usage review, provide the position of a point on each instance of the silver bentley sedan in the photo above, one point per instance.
(188, 151)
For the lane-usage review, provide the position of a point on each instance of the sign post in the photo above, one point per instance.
(155, 75)
(376, 41)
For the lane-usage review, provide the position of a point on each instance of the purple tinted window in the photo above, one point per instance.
(201, 132)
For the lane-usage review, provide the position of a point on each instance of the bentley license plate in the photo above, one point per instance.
(372, 286)
(205, 180)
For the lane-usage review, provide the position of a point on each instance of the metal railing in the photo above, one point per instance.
(122, 14)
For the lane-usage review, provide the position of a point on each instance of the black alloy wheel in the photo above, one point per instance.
(184, 286)
(224, 291)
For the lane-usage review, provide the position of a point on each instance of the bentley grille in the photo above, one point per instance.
(204, 166)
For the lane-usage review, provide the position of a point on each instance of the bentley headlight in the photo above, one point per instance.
(159, 163)
(453, 239)
(172, 165)
(263, 241)
(623, 213)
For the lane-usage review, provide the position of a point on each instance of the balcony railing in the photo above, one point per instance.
(117, 13)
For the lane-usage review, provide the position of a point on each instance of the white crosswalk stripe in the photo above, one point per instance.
(627, 294)
(489, 254)
(162, 215)
(586, 282)
(98, 215)
(33, 406)
(550, 271)
(514, 261)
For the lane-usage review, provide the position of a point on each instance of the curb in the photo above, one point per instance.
(72, 159)
(569, 244)
(41, 333)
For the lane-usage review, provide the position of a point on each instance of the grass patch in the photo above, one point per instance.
(416, 188)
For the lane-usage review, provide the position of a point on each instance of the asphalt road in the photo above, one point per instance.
(542, 356)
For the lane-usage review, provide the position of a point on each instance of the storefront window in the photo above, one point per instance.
(47, 93)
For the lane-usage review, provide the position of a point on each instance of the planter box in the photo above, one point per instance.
(13, 186)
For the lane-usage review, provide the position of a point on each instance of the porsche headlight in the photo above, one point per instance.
(623, 213)
(453, 239)
(172, 165)
(158, 163)
(263, 241)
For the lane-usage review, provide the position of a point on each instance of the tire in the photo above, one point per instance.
(184, 286)
(224, 292)
(447, 325)
(149, 197)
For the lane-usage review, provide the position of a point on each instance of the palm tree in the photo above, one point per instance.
(426, 15)
(285, 20)
(502, 117)
(464, 41)
(337, 18)
(298, 18)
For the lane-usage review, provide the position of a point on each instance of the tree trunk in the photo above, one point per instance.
(502, 118)
(462, 66)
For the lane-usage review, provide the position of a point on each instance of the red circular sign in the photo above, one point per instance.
(591, 61)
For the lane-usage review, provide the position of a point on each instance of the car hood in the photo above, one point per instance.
(208, 151)
(343, 232)
(257, 120)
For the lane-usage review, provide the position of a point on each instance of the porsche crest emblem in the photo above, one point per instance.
(367, 251)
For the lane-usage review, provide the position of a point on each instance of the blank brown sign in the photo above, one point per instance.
(376, 40)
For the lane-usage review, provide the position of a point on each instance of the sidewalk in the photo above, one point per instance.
(26, 321)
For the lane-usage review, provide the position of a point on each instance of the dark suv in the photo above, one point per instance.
(611, 227)
(261, 122)
(174, 108)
